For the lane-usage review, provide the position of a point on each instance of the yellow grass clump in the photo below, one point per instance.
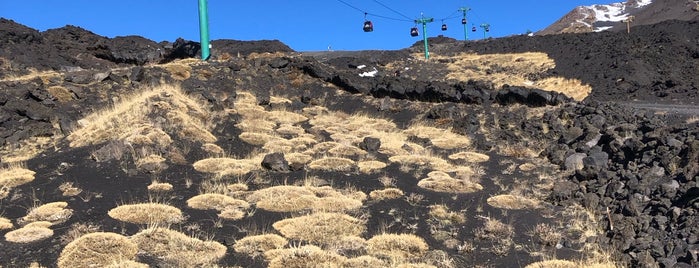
(257, 245)
(97, 250)
(337, 164)
(230, 208)
(127, 264)
(55, 213)
(445, 216)
(397, 246)
(160, 187)
(471, 157)
(303, 257)
(553, 264)
(346, 150)
(61, 94)
(441, 182)
(229, 166)
(287, 198)
(30, 233)
(371, 166)
(298, 158)
(320, 228)
(515, 202)
(5, 223)
(284, 117)
(177, 249)
(15, 175)
(187, 116)
(364, 261)
(426, 160)
(388, 193)
(441, 138)
(146, 213)
(256, 138)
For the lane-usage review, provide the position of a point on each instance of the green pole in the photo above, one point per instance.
(464, 10)
(424, 22)
(204, 29)
(486, 28)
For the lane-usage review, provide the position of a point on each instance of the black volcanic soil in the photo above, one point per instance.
(637, 168)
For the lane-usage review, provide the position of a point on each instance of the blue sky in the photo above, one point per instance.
(303, 25)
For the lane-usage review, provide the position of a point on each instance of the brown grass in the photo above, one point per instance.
(288, 198)
(147, 213)
(6, 223)
(186, 116)
(441, 138)
(514, 202)
(229, 207)
(43, 75)
(384, 194)
(304, 257)
(229, 166)
(364, 261)
(471, 157)
(320, 228)
(336, 164)
(15, 175)
(397, 246)
(257, 245)
(422, 161)
(61, 94)
(441, 182)
(513, 69)
(553, 264)
(370, 166)
(56, 212)
(97, 250)
(176, 249)
(160, 187)
(29, 233)
(498, 233)
(444, 216)
(68, 189)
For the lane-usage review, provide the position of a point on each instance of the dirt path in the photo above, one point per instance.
(680, 109)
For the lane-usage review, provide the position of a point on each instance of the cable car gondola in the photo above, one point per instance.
(463, 21)
(444, 27)
(368, 26)
(414, 32)
(473, 29)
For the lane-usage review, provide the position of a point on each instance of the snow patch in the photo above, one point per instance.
(369, 74)
(602, 29)
(361, 66)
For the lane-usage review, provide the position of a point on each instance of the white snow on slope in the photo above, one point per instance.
(616, 12)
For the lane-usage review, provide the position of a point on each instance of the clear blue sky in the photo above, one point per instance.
(304, 25)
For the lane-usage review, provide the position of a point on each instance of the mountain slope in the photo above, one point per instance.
(595, 18)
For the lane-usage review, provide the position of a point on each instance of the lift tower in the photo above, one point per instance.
(204, 29)
(424, 22)
(464, 21)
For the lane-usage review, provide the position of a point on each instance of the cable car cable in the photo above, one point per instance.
(372, 14)
(404, 16)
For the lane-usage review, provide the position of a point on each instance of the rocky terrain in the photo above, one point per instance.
(511, 152)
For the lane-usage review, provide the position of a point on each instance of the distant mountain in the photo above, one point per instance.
(595, 18)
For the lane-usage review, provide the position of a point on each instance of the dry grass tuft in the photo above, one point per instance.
(388, 193)
(303, 257)
(441, 138)
(229, 207)
(288, 198)
(146, 213)
(441, 182)
(29, 233)
(54, 213)
(507, 201)
(76, 230)
(127, 264)
(444, 216)
(68, 189)
(371, 166)
(422, 161)
(553, 264)
(257, 245)
(160, 187)
(61, 94)
(513, 69)
(229, 166)
(6, 223)
(186, 117)
(364, 261)
(336, 164)
(471, 157)
(320, 228)
(15, 175)
(498, 233)
(97, 250)
(397, 246)
(176, 249)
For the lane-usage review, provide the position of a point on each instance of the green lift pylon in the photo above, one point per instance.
(464, 21)
(486, 29)
(424, 22)
(204, 29)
